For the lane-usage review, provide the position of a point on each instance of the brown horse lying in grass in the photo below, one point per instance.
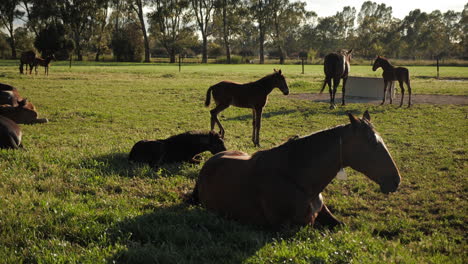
(252, 95)
(10, 134)
(16, 108)
(178, 148)
(282, 186)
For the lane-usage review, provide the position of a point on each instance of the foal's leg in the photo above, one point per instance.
(400, 82)
(214, 118)
(343, 91)
(384, 91)
(326, 218)
(258, 124)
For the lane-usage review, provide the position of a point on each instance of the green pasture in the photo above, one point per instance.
(70, 196)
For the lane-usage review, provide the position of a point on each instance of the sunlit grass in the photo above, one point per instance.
(71, 196)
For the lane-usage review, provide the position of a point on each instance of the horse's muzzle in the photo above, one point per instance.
(390, 186)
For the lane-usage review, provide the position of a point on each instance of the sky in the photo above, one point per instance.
(401, 8)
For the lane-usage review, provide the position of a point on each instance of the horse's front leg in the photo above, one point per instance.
(384, 91)
(258, 124)
(409, 92)
(343, 91)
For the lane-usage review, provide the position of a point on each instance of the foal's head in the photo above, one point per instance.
(367, 153)
(280, 82)
(347, 54)
(377, 63)
(215, 143)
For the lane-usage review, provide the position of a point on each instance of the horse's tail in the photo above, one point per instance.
(208, 96)
(193, 198)
(324, 84)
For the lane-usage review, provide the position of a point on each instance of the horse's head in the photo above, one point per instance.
(365, 151)
(280, 82)
(376, 63)
(216, 143)
(23, 113)
(348, 55)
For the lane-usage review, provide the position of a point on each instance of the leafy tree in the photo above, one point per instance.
(8, 13)
(127, 43)
(52, 40)
(203, 12)
(227, 19)
(137, 6)
(286, 16)
(170, 25)
(260, 10)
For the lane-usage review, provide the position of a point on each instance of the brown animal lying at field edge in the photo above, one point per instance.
(16, 108)
(10, 134)
(178, 148)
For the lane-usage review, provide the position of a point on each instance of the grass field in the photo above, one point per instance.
(71, 197)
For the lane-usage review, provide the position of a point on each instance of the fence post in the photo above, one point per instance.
(179, 63)
(437, 67)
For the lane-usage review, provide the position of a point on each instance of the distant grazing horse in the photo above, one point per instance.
(282, 186)
(27, 58)
(336, 66)
(10, 134)
(44, 63)
(249, 95)
(391, 74)
(16, 108)
(178, 148)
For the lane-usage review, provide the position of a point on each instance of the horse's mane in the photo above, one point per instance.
(385, 60)
(318, 141)
(263, 79)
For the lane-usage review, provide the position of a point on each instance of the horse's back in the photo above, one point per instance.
(335, 65)
(237, 94)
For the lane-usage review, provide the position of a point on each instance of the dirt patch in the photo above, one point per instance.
(416, 99)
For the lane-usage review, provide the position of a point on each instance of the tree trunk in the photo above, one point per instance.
(281, 54)
(205, 49)
(143, 29)
(98, 53)
(13, 46)
(262, 43)
(172, 56)
(226, 34)
(79, 56)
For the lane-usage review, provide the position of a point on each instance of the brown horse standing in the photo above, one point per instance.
(27, 58)
(336, 66)
(250, 95)
(44, 63)
(283, 185)
(391, 74)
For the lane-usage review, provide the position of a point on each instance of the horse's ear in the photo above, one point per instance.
(350, 51)
(354, 121)
(366, 116)
(279, 72)
(23, 102)
(274, 70)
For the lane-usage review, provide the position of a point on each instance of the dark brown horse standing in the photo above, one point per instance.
(391, 74)
(27, 58)
(336, 66)
(283, 185)
(249, 95)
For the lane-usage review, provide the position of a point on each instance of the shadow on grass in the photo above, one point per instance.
(118, 164)
(182, 234)
(264, 115)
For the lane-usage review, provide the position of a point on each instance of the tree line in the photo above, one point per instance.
(136, 30)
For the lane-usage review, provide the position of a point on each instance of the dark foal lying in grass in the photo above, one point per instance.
(178, 148)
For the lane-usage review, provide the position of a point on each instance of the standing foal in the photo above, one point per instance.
(391, 74)
(44, 63)
(249, 95)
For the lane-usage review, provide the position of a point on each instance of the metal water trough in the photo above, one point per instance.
(367, 87)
